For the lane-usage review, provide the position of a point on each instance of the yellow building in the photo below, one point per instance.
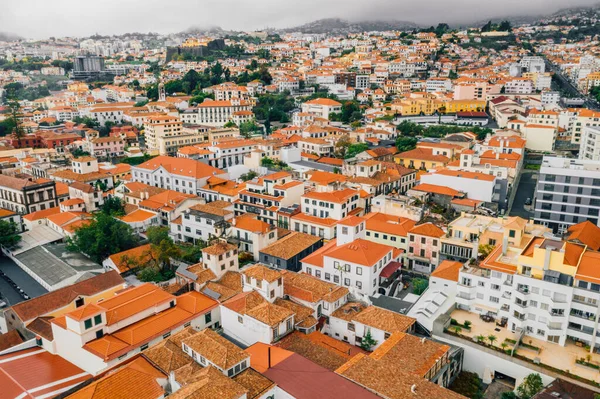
(421, 158)
(454, 106)
(415, 104)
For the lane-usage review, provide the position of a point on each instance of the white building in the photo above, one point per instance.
(351, 261)
(178, 174)
(589, 148)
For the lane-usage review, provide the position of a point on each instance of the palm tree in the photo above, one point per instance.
(480, 338)
(467, 324)
(504, 345)
(492, 338)
(457, 329)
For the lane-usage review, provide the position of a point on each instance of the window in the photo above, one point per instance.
(359, 270)
(240, 320)
(87, 324)
(327, 276)
(494, 299)
(144, 347)
(97, 319)
(347, 282)
(336, 279)
(207, 318)
(512, 233)
(359, 285)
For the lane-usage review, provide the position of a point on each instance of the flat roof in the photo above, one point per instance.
(54, 265)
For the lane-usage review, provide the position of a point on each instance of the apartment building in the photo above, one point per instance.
(589, 148)
(266, 195)
(27, 195)
(215, 112)
(98, 336)
(220, 258)
(321, 107)
(424, 242)
(253, 234)
(544, 287)
(201, 222)
(352, 261)
(320, 211)
(165, 135)
(178, 174)
(567, 192)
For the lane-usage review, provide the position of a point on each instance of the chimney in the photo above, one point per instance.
(233, 222)
(504, 245)
(423, 340)
(413, 389)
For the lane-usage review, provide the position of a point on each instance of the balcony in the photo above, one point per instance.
(505, 308)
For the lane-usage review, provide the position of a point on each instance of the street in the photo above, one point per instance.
(525, 190)
(22, 279)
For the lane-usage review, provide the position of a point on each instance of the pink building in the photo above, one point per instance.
(424, 243)
(107, 146)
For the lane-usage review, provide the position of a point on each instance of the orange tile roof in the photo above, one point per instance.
(133, 301)
(137, 216)
(389, 224)
(249, 223)
(137, 379)
(435, 189)
(124, 340)
(33, 216)
(424, 154)
(360, 251)
(338, 196)
(589, 269)
(181, 167)
(447, 270)
(324, 101)
(427, 229)
(586, 233)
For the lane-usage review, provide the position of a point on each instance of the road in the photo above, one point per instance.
(525, 190)
(22, 279)
(568, 85)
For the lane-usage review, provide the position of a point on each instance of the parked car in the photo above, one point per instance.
(528, 201)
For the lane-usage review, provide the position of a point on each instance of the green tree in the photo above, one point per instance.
(468, 384)
(341, 146)
(15, 118)
(367, 341)
(9, 234)
(248, 129)
(103, 237)
(405, 143)
(508, 395)
(113, 206)
(419, 285)
(156, 234)
(531, 385)
(492, 338)
(249, 176)
(355, 149)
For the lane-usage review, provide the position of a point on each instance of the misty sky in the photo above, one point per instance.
(44, 18)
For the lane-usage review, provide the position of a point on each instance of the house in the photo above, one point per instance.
(26, 316)
(99, 336)
(405, 366)
(249, 318)
(25, 195)
(288, 251)
(220, 258)
(353, 321)
(424, 244)
(202, 222)
(388, 229)
(266, 281)
(421, 158)
(253, 234)
(179, 174)
(350, 260)
(321, 107)
(208, 348)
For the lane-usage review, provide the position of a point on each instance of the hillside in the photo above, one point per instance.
(337, 25)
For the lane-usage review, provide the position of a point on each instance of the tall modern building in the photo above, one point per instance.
(567, 193)
(589, 148)
(87, 66)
